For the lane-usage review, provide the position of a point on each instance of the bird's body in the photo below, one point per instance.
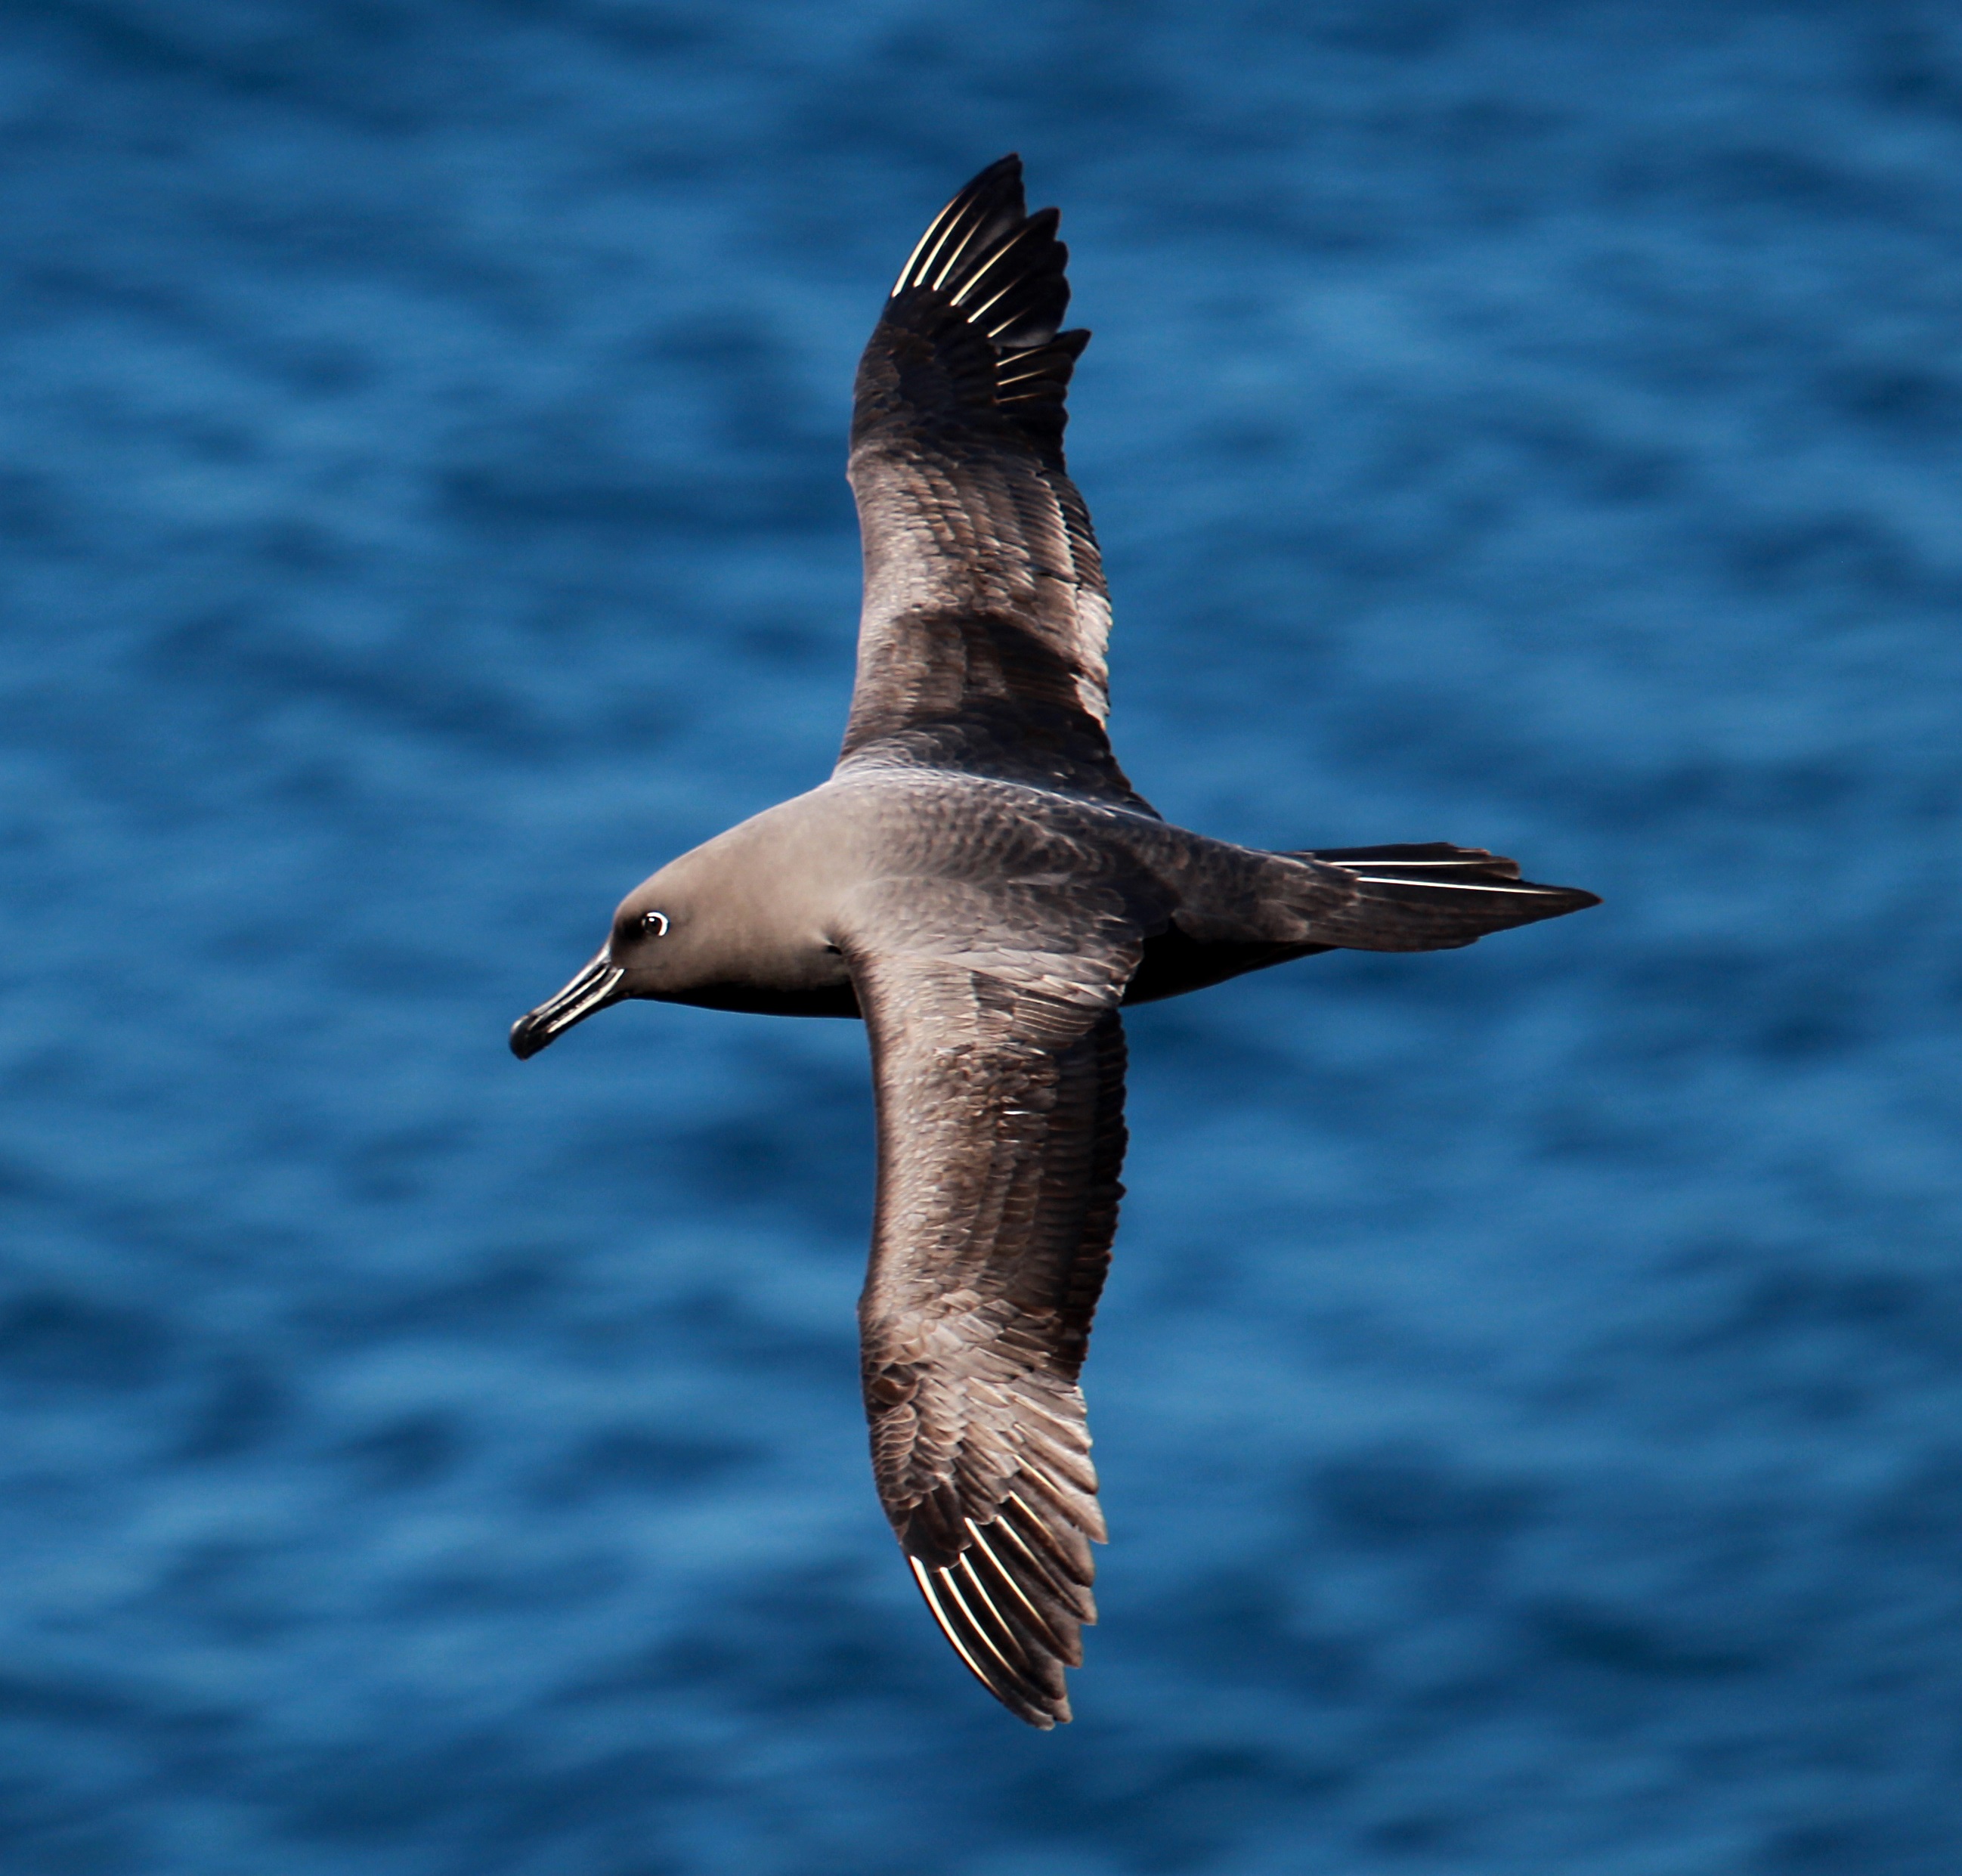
(980, 881)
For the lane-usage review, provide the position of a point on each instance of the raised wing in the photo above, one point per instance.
(981, 646)
(1000, 1076)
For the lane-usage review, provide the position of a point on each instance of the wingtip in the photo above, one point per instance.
(987, 268)
(1011, 1595)
(990, 200)
(1028, 1685)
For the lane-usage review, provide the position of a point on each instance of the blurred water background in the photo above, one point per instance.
(1527, 1397)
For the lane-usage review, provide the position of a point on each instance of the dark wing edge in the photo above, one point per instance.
(987, 274)
(986, 617)
(1000, 1137)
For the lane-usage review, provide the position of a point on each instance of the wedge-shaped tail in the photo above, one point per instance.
(1434, 896)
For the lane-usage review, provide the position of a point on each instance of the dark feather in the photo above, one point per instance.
(981, 648)
(1001, 1136)
(1435, 896)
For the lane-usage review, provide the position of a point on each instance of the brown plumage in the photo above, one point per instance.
(980, 882)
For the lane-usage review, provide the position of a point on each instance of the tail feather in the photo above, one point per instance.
(1433, 896)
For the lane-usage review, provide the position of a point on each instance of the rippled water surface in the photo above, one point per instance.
(1528, 1394)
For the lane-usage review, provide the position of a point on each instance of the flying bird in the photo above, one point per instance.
(979, 881)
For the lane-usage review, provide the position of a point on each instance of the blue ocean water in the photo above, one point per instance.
(1529, 1393)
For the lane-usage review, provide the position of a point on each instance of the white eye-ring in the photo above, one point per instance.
(655, 924)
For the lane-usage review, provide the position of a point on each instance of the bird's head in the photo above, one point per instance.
(648, 954)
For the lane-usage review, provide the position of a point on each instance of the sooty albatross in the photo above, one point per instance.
(979, 881)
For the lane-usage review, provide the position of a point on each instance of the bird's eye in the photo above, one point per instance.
(655, 924)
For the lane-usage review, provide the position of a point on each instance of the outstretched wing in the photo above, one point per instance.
(1000, 1076)
(981, 645)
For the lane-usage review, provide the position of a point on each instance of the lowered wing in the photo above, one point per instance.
(999, 1068)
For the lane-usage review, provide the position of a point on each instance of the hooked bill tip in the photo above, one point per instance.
(595, 987)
